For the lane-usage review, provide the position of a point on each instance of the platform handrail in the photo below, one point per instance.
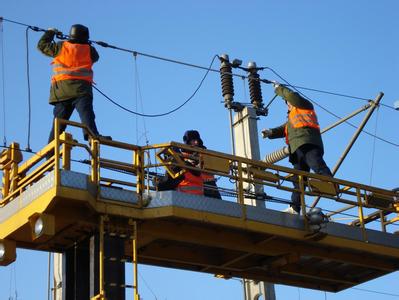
(239, 169)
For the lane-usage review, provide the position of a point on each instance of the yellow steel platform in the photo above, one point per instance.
(194, 232)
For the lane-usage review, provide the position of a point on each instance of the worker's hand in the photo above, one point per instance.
(55, 30)
(266, 133)
(276, 84)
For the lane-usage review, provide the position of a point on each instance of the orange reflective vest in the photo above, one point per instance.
(299, 118)
(206, 177)
(73, 62)
(191, 184)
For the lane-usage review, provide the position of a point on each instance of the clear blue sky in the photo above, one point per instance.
(350, 47)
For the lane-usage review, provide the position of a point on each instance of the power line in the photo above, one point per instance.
(166, 113)
(326, 92)
(330, 112)
(330, 93)
(134, 52)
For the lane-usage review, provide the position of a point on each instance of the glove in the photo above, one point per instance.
(266, 133)
(276, 84)
(53, 30)
(34, 28)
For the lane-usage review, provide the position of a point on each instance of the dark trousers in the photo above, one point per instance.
(305, 158)
(64, 110)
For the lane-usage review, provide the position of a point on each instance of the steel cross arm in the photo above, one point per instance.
(374, 105)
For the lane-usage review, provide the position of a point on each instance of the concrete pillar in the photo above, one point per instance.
(245, 129)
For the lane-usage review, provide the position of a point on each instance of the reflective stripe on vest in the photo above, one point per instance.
(206, 177)
(299, 118)
(191, 184)
(73, 62)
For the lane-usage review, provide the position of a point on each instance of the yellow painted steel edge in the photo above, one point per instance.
(20, 218)
(281, 231)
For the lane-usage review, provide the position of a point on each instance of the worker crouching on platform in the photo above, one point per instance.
(71, 83)
(191, 181)
(302, 135)
(193, 138)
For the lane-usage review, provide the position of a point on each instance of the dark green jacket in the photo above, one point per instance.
(296, 136)
(65, 89)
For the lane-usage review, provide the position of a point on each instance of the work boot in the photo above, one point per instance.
(291, 210)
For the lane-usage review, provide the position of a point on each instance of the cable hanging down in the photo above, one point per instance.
(166, 113)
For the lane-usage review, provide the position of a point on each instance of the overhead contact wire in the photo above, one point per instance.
(103, 44)
(106, 45)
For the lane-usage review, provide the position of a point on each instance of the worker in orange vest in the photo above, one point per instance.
(190, 181)
(193, 138)
(71, 83)
(302, 135)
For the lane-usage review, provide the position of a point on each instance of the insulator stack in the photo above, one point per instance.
(227, 80)
(255, 90)
(276, 156)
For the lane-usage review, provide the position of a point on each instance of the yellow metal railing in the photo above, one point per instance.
(236, 173)
(273, 177)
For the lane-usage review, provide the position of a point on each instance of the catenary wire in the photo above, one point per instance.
(103, 44)
(166, 113)
(327, 92)
(330, 112)
(340, 95)
(3, 83)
